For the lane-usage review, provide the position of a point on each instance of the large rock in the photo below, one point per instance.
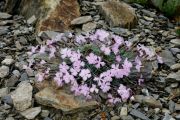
(60, 99)
(31, 113)
(118, 14)
(53, 15)
(22, 96)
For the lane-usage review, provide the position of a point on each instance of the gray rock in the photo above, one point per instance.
(175, 66)
(167, 117)
(81, 20)
(8, 61)
(9, 118)
(167, 57)
(4, 15)
(115, 118)
(16, 73)
(171, 106)
(149, 100)
(176, 42)
(7, 99)
(3, 92)
(22, 96)
(24, 77)
(89, 26)
(177, 117)
(139, 114)
(148, 13)
(4, 71)
(11, 81)
(173, 77)
(175, 50)
(127, 117)
(45, 113)
(124, 111)
(174, 85)
(32, 20)
(177, 106)
(31, 113)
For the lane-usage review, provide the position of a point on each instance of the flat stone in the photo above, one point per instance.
(4, 71)
(11, 81)
(148, 13)
(115, 118)
(127, 117)
(175, 66)
(173, 77)
(111, 12)
(176, 42)
(149, 100)
(3, 92)
(5, 15)
(45, 113)
(32, 20)
(124, 111)
(81, 20)
(59, 99)
(9, 118)
(8, 61)
(22, 96)
(177, 106)
(167, 57)
(89, 26)
(31, 113)
(139, 114)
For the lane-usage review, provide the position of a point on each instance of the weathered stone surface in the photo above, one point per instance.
(22, 96)
(89, 26)
(81, 20)
(31, 113)
(118, 14)
(54, 15)
(149, 100)
(4, 71)
(64, 101)
(4, 15)
(7, 61)
(3, 92)
(172, 77)
(167, 57)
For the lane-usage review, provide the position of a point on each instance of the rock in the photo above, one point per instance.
(51, 15)
(22, 96)
(171, 106)
(8, 61)
(177, 117)
(32, 20)
(177, 106)
(4, 71)
(45, 113)
(89, 26)
(127, 117)
(148, 13)
(5, 15)
(139, 114)
(16, 73)
(81, 20)
(124, 111)
(167, 117)
(110, 11)
(176, 42)
(61, 100)
(173, 77)
(115, 118)
(11, 81)
(7, 99)
(174, 85)
(149, 100)
(167, 57)
(175, 67)
(3, 92)
(31, 113)
(9, 118)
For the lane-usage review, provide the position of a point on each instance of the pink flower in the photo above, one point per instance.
(68, 78)
(119, 40)
(80, 39)
(128, 44)
(63, 67)
(106, 50)
(73, 71)
(42, 49)
(101, 34)
(42, 62)
(58, 78)
(113, 100)
(94, 89)
(85, 90)
(127, 64)
(85, 74)
(123, 92)
(105, 86)
(66, 52)
(49, 42)
(138, 63)
(52, 52)
(40, 77)
(118, 58)
(115, 48)
(92, 58)
(33, 50)
(159, 59)
(99, 63)
(75, 56)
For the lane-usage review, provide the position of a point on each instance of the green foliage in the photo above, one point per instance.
(178, 31)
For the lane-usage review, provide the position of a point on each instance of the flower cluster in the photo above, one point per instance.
(98, 62)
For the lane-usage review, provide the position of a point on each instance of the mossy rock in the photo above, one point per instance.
(169, 7)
